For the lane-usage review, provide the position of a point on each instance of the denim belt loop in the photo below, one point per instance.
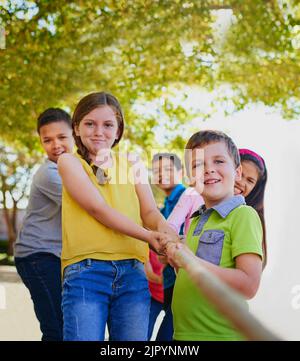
(88, 262)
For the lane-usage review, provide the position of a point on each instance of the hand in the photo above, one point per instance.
(174, 250)
(163, 227)
(157, 241)
(163, 259)
(171, 250)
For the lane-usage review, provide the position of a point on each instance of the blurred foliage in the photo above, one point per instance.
(16, 169)
(57, 51)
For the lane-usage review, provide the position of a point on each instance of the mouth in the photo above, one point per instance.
(211, 181)
(98, 140)
(56, 154)
(237, 191)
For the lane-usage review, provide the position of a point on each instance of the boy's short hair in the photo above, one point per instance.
(205, 137)
(172, 156)
(53, 115)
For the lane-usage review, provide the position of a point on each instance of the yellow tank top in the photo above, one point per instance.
(84, 237)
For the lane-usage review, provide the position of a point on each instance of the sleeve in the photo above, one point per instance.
(246, 232)
(180, 211)
(49, 183)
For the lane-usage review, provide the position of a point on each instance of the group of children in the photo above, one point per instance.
(98, 277)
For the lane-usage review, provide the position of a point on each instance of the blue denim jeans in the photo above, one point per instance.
(155, 309)
(41, 274)
(166, 330)
(96, 293)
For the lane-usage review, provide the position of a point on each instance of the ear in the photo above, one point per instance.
(238, 173)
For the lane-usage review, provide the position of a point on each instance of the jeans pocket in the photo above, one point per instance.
(74, 269)
(139, 266)
(211, 245)
(71, 270)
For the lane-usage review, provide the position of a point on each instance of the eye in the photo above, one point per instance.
(109, 125)
(89, 123)
(219, 161)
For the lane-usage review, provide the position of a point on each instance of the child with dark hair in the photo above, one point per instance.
(225, 237)
(38, 245)
(167, 175)
(252, 186)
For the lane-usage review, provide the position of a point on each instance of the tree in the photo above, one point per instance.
(260, 55)
(56, 51)
(16, 169)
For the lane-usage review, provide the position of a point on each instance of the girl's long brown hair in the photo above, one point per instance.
(255, 198)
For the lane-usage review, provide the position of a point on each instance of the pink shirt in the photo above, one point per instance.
(188, 203)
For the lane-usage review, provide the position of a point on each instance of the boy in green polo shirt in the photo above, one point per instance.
(225, 236)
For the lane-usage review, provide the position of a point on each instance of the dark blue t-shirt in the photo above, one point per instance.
(169, 204)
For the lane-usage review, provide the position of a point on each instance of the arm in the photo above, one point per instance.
(83, 191)
(151, 276)
(150, 215)
(245, 278)
(179, 213)
(48, 182)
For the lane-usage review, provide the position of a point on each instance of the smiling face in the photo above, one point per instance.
(56, 139)
(98, 130)
(214, 173)
(165, 174)
(249, 179)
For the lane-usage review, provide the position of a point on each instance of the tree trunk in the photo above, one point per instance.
(10, 230)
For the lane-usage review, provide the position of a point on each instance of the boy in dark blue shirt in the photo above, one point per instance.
(167, 175)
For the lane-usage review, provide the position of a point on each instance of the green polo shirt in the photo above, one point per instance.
(218, 235)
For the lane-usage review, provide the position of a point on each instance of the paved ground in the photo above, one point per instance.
(18, 321)
(17, 318)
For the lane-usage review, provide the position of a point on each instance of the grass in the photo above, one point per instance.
(3, 246)
(4, 258)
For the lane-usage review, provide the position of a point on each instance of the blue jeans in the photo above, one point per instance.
(41, 274)
(155, 309)
(96, 293)
(166, 330)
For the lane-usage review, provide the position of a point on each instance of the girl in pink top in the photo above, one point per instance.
(189, 202)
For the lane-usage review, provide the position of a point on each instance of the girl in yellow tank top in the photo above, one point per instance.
(104, 211)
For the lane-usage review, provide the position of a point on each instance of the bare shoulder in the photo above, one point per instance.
(67, 160)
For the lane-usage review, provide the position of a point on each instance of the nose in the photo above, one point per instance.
(240, 183)
(98, 130)
(56, 143)
(208, 168)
